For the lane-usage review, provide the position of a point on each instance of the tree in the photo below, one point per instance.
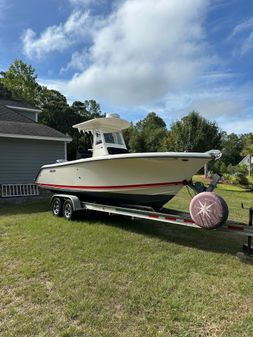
(56, 112)
(232, 147)
(21, 80)
(4, 92)
(134, 140)
(84, 111)
(193, 133)
(147, 135)
(93, 109)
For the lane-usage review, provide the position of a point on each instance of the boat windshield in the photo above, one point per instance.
(113, 138)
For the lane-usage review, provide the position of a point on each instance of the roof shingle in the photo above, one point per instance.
(17, 103)
(29, 129)
(14, 123)
(7, 114)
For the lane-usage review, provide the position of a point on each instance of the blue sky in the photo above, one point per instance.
(137, 56)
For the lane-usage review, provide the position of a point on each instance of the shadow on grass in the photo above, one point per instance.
(233, 191)
(207, 240)
(212, 241)
(24, 207)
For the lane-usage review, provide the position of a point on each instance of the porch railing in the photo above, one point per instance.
(18, 190)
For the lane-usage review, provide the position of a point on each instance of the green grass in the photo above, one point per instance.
(110, 276)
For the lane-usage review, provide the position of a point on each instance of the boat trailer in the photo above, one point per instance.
(69, 205)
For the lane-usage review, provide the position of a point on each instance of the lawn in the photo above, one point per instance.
(110, 276)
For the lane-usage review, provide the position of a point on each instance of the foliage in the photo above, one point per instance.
(248, 150)
(193, 133)
(236, 175)
(55, 111)
(4, 92)
(134, 139)
(241, 174)
(83, 111)
(57, 114)
(218, 166)
(232, 146)
(147, 135)
(20, 79)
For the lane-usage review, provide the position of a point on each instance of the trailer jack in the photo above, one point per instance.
(199, 187)
(247, 250)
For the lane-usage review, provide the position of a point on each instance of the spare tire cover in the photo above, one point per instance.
(208, 210)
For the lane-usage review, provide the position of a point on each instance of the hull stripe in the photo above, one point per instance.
(111, 187)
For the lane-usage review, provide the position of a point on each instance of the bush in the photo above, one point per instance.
(241, 174)
(235, 175)
(242, 169)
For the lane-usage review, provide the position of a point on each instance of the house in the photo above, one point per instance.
(25, 145)
(246, 161)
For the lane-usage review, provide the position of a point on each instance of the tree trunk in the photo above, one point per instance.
(205, 170)
(250, 156)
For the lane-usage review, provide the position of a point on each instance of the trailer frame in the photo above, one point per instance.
(71, 204)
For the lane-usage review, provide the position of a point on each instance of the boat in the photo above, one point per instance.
(112, 175)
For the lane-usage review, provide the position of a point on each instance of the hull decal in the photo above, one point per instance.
(111, 187)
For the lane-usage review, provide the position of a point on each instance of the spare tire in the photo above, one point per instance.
(208, 210)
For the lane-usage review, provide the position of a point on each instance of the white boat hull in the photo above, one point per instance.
(146, 179)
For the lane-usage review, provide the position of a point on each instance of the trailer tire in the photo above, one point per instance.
(56, 206)
(68, 210)
(208, 210)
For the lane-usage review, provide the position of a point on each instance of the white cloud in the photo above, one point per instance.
(214, 97)
(56, 38)
(144, 50)
(241, 27)
(225, 104)
(79, 60)
(90, 3)
(247, 44)
(216, 108)
(238, 125)
(136, 55)
(243, 32)
(83, 2)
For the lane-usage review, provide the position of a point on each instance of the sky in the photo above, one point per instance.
(138, 56)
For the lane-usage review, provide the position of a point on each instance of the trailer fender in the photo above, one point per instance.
(76, 203)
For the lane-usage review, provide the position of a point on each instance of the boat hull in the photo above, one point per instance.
(151, 179)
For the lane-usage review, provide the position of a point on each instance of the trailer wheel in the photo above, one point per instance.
(208, 210)
(56, 206)
(68, 210)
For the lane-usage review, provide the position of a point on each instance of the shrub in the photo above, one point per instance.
(241, 174)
